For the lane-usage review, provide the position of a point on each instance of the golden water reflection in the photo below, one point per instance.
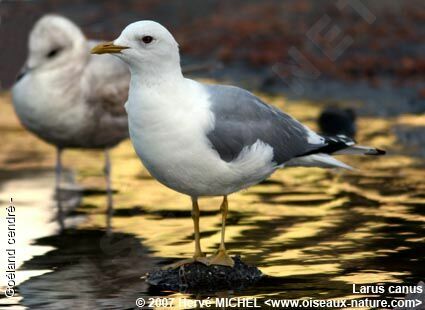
(316, 231)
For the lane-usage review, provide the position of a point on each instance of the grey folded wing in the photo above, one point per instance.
(241, 119)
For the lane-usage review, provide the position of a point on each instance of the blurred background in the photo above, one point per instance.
(313, 232)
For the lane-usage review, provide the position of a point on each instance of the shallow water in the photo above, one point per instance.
(313, 232)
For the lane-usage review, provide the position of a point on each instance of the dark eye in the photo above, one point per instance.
(53, 52)
(147, 39)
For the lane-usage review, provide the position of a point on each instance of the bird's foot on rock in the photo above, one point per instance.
(178, 264)
(221, 258)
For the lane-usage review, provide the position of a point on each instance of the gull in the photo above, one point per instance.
(69, 98)
(209, 140)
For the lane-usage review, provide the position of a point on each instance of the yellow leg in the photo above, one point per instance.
(195, 216)
(221, 257)
(198, 256)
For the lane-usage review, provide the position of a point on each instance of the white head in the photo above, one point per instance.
(55, 41)
(146, 46)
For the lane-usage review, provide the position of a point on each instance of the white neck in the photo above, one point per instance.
(158, 77)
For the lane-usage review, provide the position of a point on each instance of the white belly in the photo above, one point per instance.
(172, 144)
(53, 116)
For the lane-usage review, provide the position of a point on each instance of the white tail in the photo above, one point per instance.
(317, 160)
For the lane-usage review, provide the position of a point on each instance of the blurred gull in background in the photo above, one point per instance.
(208, 140)
(69, 98)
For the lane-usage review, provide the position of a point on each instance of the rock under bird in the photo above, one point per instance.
(69, 98)
(208, 140)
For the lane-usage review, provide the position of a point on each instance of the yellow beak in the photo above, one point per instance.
(108, 48)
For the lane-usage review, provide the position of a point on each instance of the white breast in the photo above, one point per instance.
(168, 131)
(46, 110)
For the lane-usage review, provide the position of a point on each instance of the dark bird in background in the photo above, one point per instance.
(335, 121)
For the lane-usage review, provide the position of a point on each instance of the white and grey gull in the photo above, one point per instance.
(208, 140)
